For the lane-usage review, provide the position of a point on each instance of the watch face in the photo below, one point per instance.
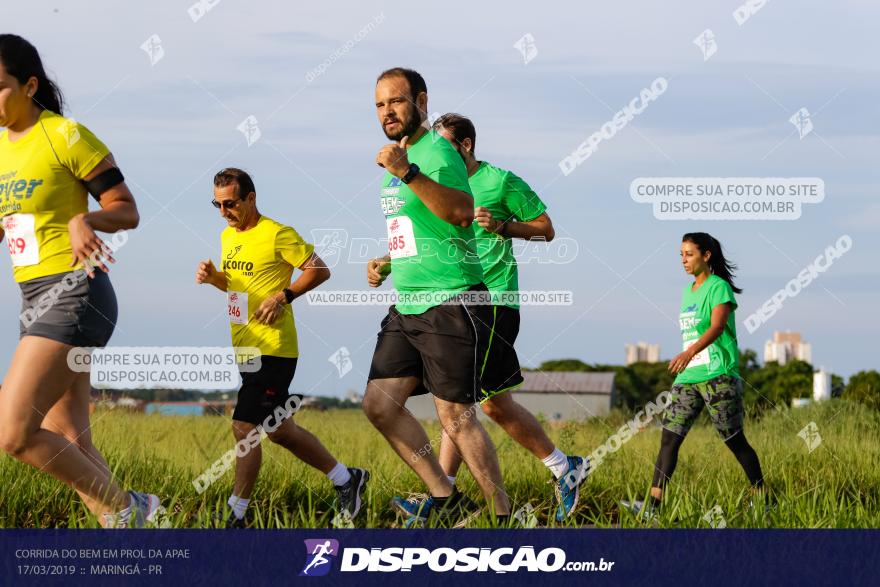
(413, 171)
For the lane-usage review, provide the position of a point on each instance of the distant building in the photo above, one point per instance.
(821, 385)
(557, 395)
(785, 347)
(354, 397)
(642, 352)
(199, 408)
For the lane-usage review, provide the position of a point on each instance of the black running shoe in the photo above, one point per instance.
(456, 511)
(349, 497)
(227, 519)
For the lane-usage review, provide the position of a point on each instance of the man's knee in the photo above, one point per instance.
(497, 408)
(456, 418)
(241, 429)
(379, 407)
(282, 436)
(15, 441)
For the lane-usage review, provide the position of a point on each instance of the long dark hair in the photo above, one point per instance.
(23, 62)
(717, 263)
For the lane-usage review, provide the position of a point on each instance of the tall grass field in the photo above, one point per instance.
(834, 485)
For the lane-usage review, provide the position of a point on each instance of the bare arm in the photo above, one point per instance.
(314, 273)
(118, 208)
(541, 228)
(207, 273)
(450, 205)
(118, 212)
(453, 206)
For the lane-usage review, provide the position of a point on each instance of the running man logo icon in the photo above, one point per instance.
(153, 48)
(342, 359)
(250, 128)
(810, 435)
(70, 131)
(233, 252)
(330, 244)
(802, 122)
(715, 517)
(526, 46)
(395, 224)
(317, 556)
(706, 42)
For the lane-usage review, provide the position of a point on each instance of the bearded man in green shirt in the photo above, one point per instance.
(435, 338)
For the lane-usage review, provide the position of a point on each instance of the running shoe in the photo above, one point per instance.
(227, 519)
(644, 512)
(349, 497)
(415, 509)
(456, 511)
(568, 486)
(144, 509)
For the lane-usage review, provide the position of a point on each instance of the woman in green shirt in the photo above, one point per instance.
(707, 370)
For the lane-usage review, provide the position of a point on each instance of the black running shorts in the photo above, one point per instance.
(502, 371)
(445, 347)
(264, 390)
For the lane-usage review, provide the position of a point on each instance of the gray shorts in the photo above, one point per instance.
(722, 397)
(69, 308)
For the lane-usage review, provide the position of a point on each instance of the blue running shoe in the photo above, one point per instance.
(569, 485)
(644, 512)
(414, 509)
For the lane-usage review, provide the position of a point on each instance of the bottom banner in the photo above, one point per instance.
(340, 557)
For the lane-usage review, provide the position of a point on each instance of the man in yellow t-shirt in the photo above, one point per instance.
(257, 261)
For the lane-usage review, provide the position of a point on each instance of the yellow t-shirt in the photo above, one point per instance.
(40, 191)
(259, 262)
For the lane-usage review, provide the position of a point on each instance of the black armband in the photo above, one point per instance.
(103, 182)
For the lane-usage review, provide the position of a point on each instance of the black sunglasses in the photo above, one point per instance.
(228, 204)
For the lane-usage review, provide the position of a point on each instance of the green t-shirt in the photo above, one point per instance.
(507, 197)
(430, 258)
(722, 356)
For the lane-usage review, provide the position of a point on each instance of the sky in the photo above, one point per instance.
(307, 74)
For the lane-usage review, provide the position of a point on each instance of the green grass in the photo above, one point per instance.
(835, 486)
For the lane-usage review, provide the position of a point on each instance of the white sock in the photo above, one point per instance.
(339, 475)
(239, 505)
(557, 462)
(451, 479)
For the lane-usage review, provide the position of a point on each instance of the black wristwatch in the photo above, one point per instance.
(411, 174)
(288, 295)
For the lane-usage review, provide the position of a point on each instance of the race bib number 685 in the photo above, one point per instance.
(401, 240)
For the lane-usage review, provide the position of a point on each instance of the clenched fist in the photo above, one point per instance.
(393, 158)
(378, 270)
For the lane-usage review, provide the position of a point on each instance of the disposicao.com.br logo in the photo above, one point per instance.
(442, 560)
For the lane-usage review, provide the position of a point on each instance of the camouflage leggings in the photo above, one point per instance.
(722, 396)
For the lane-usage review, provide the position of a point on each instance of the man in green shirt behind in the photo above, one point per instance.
(435, 338)
(507, 208)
